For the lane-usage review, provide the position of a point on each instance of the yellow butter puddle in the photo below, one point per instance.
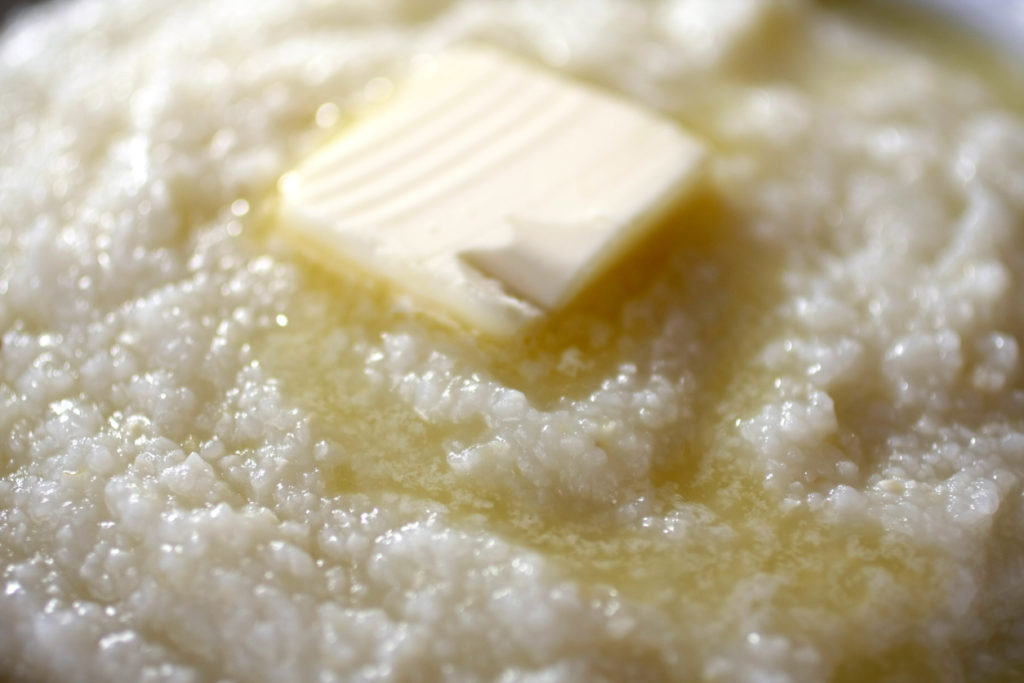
(819, 583)
(742, 561)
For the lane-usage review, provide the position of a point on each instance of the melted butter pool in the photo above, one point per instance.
(858, 593)
(730, 535)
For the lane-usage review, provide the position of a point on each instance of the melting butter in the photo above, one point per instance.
(491, 189)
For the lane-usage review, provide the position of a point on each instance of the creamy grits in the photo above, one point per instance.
(782, 441)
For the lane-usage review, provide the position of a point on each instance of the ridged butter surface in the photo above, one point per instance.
(489, 188)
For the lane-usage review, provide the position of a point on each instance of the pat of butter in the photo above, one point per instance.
(491, 188)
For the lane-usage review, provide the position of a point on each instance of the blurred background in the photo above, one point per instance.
(1001, 21)
(8, 6)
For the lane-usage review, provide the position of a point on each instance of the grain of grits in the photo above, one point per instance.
(784, 442)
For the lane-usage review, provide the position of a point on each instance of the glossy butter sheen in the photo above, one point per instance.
(493, 189)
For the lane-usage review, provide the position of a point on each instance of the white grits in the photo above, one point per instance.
(787, 446)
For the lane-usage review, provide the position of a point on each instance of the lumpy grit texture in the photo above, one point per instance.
(783, 442)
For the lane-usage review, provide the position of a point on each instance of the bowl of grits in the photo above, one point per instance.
(782, 439)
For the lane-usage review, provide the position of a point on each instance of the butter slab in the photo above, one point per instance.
(491, 190)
